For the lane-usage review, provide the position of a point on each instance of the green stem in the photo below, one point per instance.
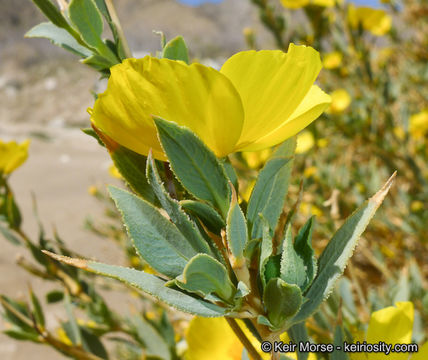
(115, 19)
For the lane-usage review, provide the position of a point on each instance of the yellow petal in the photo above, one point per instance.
(194, 95)
(392, 325)
(12, 155)
(272, 84)
(312, 106)
(422, 354)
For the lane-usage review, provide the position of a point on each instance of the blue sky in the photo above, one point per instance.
(198, 2)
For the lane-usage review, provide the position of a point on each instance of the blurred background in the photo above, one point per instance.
(375, 66)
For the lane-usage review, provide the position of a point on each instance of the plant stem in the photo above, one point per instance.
(252, 352)
(115, 19)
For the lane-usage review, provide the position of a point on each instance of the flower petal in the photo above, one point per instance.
(271, 84)
(195, 96)
(12, 155)
(392, 325)
(312, 106)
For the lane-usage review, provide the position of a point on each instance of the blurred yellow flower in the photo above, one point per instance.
(305, 142)
(92, 190)
(322, 143)
(418, 124)
(297, 4)
(310, 171)
(392, 325)
(309, 209)
(257, 100)
(12, 155)
(246, 193)
(332, 60)
(340, 100)
(377, 21)
(417, 205)
(255, 159)
(114, 172)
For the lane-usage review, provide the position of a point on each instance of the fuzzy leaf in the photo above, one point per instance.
(194, 164)
(155, 286)
(205, 275)
(335, 256)
(59, 37)
(156, 239)
(292, 265)
(176, 49)
(303, 247)
(173, 208)
(237, 235)
(282, 301)
(211, 218)
(271, 188)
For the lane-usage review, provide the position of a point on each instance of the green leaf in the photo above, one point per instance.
(292, 265)
(270, 190)
(298, 334)
(59, 37)
(265, 250)
(231, 173)
(73, 329)
(237, 234)
(38, 311)
(22, 335)
(338, 341)
(155, 345)
(54, 296)
(176, 49)
(303, 247)
(272, 268)
(173, 208)
(8, 235)
(335, 256)
(52, 13)
(194, 164)
(156, 239)
(205, 275)
(13, 213)
(132, 167)
(155, 286)
(98, 62)
(282, 301)
(211, 218)
(87, 18)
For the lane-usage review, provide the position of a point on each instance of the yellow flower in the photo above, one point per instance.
(417, 205)
(255, 159)
(297, 4)
(12, 155)
(213, 339)
(114, 172)
(377, 21)
(392, 325)
(340, 100)
(332, 60)
(305, 142)
(257, 100)
(418, 124)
